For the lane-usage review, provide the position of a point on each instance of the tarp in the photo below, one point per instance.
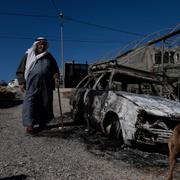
(141, 58)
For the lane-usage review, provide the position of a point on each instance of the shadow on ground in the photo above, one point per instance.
(18, 177)
(10, 103)
(102, 146)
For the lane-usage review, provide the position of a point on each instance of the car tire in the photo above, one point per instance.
(116, 130)
(77, 116)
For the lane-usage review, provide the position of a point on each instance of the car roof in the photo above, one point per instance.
(124, 71)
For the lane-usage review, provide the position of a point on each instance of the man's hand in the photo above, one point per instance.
(22, 87)
(56, 76)
(57, 82)
(57, 79)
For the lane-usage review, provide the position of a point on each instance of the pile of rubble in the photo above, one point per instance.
(6, 94)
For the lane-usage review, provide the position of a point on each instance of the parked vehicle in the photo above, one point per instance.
(13, 83)
(126, 103)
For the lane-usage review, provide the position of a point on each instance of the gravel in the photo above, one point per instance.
(71, 153)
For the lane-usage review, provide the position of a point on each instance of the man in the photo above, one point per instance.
(36, 74)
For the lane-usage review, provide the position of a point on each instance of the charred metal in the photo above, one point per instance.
(126, 103)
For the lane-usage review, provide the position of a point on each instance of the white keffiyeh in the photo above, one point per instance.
(31, 59)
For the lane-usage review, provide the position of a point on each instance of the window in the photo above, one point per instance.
(146, 88)
(132, 84)
(92, 80)
(83, 82)
(103, 83)
(133, 88)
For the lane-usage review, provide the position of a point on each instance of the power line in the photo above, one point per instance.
(104, 27)
(74, 20)
(27, 15)
(18, 38)
(96, 25)
(67, 40)
(55, 7)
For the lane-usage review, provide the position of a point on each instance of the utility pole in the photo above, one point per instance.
(162, 66)
(62, 48)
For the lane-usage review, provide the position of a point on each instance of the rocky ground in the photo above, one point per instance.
(71, 153)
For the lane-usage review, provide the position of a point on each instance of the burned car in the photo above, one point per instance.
(127, 104)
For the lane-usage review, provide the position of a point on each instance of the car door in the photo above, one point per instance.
(95, 98)
(77, 102)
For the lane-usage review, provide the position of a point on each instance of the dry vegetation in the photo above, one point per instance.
(5, 94)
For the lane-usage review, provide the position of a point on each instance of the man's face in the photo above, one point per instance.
(41, 46)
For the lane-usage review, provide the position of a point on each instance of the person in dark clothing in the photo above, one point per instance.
(36, 76)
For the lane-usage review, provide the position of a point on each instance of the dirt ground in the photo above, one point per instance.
(71, 153)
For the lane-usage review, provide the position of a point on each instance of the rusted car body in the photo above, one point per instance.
(125, 103)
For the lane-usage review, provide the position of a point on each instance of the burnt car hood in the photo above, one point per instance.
(154, 105)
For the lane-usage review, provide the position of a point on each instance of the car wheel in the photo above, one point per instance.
(77, 115)
(116, 130)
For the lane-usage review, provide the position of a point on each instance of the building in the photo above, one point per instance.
(74, 73)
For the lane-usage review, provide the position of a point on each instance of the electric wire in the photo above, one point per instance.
(55, 7)
(104, 27)
(27, 15)
(73, 20)
(66, 40)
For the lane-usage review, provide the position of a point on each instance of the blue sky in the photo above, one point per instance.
(82, 42)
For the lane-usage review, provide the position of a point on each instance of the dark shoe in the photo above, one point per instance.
(29, 130)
